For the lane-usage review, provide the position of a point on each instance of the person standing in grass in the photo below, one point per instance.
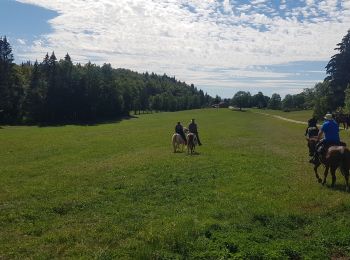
(192, 127)
(180, 130)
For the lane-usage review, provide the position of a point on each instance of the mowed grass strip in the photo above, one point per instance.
(118, 191)
(302, 115)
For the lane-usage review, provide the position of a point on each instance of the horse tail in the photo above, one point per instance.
(345, 161)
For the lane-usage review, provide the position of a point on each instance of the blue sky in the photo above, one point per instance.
(221, 46)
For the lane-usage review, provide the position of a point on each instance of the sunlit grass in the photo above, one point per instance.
(118, 191)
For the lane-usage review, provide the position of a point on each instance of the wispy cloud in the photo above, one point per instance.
(175, 36)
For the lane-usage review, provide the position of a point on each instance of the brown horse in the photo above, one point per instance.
(344, 119)
(336, 157)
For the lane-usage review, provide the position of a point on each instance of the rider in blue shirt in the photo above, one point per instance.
(330, 130)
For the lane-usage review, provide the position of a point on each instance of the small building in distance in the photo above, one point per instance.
(222, 104)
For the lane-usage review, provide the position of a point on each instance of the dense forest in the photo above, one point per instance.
(54, 91)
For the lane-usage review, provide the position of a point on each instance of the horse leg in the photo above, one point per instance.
(325, 175)
(316, 174)
(346, 176)
(333, 169)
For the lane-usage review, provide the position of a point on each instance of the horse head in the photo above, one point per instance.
(311, 144)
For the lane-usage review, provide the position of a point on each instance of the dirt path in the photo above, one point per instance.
(282, 118)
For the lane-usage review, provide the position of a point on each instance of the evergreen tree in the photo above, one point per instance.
(10, 85)
(338, 69)
(35, 97)
(347, 99)
(57, 91)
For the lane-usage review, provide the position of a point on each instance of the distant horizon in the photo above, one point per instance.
(220, 46)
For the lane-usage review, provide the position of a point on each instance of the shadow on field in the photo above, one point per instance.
(238, 110)
(337, 187)
(72, 122)
(88, 122)
(185, 152)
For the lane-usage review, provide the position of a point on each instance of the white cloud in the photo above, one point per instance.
(173, 36)
(22, 41)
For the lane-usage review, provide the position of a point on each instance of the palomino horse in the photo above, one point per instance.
(177, 141)
(336, 157)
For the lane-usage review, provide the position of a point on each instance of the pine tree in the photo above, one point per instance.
(35, 97)
(338, 69)
(10, 88)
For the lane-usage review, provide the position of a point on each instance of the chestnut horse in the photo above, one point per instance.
(336, 157)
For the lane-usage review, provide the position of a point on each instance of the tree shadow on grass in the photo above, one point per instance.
(76, 122)
(194, 153)
(337, 187)
(239, 110)
(176, 152)
(88, 122)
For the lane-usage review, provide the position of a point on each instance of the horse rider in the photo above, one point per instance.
(180, 130)
(312, 129)
(330, 130)
(192, 127)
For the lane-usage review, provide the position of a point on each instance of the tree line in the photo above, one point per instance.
(243, 99)
(331, 95)
(58, 90)
(55, 91)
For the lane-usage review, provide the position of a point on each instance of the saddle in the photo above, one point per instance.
(323, 149)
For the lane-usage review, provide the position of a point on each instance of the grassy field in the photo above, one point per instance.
(118, 191)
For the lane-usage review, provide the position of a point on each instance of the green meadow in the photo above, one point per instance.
(117, 191)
